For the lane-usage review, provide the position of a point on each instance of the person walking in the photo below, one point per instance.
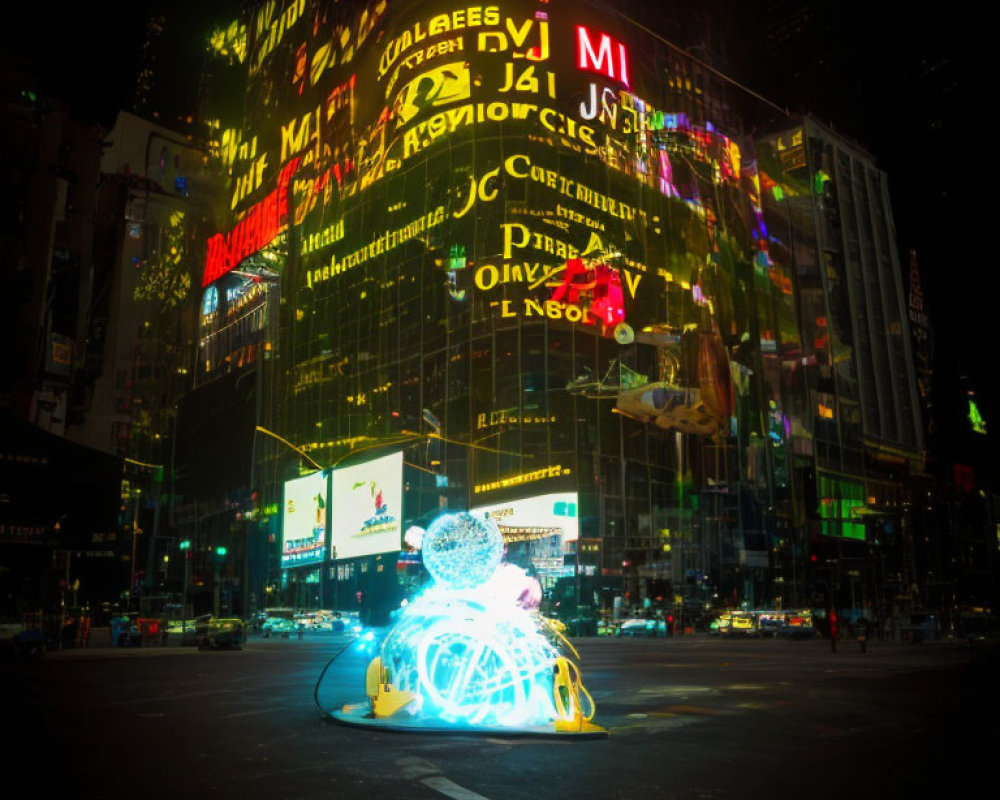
(861, 632)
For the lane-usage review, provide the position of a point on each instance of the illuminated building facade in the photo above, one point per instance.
(533, 246)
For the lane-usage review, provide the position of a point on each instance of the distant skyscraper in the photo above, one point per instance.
(145, 83)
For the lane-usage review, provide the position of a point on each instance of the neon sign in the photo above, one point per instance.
(525, 477)
(600, 284)
(254, 232)
(601, 61)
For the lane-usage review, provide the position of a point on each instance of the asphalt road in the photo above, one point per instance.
(691, 717)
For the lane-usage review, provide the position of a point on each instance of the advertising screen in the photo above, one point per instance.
(304, 521)
(367, 507)
(536, 530)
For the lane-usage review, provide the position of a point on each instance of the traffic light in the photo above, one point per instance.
(220, 550)
(185, 544)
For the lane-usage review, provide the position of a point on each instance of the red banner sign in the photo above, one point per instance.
(255, 231)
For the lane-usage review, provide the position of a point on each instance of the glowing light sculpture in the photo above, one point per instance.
(466, 653)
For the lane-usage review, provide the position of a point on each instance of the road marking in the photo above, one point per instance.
(415, 768)
(423, 771)
(693, 710)
(440, 783)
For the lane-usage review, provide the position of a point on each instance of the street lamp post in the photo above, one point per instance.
(185, 547)
(135, 531)
(220, 552)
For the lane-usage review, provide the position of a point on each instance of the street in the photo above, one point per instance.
(690, 717)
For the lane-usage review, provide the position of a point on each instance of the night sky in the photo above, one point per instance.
(918, 91)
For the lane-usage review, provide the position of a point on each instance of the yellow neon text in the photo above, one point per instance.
(578, 218)
(552, 309)
(525, 477)
(300, 133)
(460, 18)
(377, 247)
(331, 234)
(270, 31)
(505, 417)
(489, 276)
(496, 41)
(445, 122)
(517, 235)
(526, 81)
(447, 47)
(250, 181)
(234, 148)
(479, 190)
(345, 41)
(520, 166)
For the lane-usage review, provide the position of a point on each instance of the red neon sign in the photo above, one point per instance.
(599, 284)
(601, 59)
(255, 231)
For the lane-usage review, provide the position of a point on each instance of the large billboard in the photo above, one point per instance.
(367, 507)
(536, 530)
(303, 520)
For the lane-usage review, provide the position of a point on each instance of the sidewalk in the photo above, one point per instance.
(100, 641)
(100, 644)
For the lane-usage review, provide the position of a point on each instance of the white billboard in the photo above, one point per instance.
(303, 521)
(368, 507)
(536, 518)
(536, 531)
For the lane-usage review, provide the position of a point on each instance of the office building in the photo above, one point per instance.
(580, 280)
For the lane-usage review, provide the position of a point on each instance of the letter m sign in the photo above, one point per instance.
(602, 57)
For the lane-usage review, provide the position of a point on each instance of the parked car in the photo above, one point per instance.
(740, 624)
(798, 625)
(770, 623)
(309, 620)
(215, 633)
(180, 631)
(643, 627)
(719, 625)
(278, 622)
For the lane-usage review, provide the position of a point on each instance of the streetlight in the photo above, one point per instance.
(135, 531)
(220, 553)
(185, 547)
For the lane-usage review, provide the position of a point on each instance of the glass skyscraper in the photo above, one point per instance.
(546, 254)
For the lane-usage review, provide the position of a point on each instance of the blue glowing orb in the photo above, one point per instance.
(462, 551)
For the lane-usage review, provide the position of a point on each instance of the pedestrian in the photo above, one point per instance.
(833, 630)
